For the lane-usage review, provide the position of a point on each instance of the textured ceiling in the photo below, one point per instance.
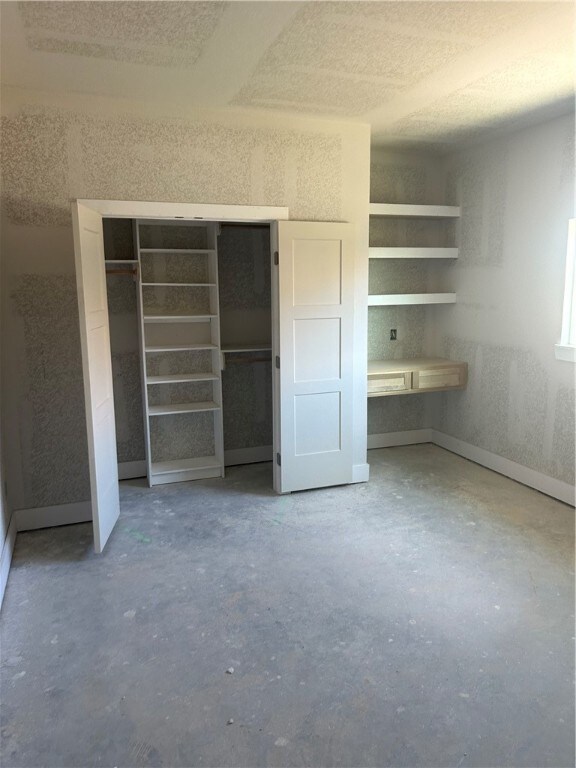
(419, 72)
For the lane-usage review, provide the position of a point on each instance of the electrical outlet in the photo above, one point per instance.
(393, 334)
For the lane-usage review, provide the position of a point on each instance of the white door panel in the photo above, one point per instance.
(315, 317)
(97, 370)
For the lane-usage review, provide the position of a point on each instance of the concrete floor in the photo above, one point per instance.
(423, 619)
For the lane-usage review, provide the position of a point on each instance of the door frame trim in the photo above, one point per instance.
(140, 209)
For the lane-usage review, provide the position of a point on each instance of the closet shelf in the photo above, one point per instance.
(265, 346)
(183, 465)
(177, 378)
(168, 410)
(179, 347)
(179, 285)
(178, 318)
(415, 211)
(397, 299)
(413, 253)
(177, 250)
(120, 261)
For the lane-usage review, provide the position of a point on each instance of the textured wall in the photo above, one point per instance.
(516, 196)
(56, 149)
(124, 343)
(245, 301)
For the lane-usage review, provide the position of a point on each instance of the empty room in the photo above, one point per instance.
(288, 357)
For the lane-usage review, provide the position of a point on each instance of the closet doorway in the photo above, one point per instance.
(201, 329)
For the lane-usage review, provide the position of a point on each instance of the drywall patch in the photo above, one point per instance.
(52, 418)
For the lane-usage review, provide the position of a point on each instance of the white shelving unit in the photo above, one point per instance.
(171, 323)
(418, 374)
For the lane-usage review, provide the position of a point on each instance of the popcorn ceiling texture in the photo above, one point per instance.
(303, 69)
(165, 34)
(52, 155)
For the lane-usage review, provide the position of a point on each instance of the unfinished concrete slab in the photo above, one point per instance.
(423, 619)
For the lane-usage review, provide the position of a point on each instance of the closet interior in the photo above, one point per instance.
(190, 333)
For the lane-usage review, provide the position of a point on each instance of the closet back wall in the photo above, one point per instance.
(124, 343)
(57, 148)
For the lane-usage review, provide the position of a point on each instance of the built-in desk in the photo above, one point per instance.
(416, 375)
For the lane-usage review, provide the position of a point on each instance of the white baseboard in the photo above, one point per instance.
(248, 455)
(537, 480)
(127, 470)
(47, 517)
(360, 473)
(390, 439)
(6, 557)
(530, 477)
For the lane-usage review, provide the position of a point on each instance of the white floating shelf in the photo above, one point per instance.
(180, 347)
(415, 211)
(179, 285)
(413, 253)
(397, 299)
(177, 378)
(168, 410)
(177, 250)
(265, 346)
(183, 465)
(178, 318)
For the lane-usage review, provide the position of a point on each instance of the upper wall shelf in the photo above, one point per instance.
(398, 299)
(413, 253)
(415, 211)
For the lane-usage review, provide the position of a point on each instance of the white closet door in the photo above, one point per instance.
(315, 315)
(97, 369)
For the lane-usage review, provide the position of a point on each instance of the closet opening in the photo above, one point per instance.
(189, 306)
